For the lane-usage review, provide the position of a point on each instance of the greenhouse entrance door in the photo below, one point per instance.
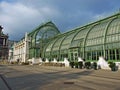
(73, 54)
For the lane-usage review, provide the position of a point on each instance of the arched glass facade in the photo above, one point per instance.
(40, 37)
(100, 38)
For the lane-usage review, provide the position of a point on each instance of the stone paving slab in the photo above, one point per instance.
(2, 85)
(59, 78)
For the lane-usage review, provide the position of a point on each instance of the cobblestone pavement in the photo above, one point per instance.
(56, 78)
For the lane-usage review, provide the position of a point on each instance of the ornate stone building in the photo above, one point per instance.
(3, 45)
(20, 50)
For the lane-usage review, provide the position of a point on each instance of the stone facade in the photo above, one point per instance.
(21, 50)
(3, 45)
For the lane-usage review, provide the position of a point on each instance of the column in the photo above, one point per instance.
(3, 42)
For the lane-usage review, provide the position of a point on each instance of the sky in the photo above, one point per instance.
(20, 16)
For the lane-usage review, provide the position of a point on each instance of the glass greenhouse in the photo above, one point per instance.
(100, 38)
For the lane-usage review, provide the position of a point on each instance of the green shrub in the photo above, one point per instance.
(80, 64)
(95, 65)
(88, 65)
(112, 65)
(24, 63)
(76, 64)
(72, 64)
(14, 62)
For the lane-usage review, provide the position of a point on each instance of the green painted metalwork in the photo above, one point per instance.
(51, 53)
(56, 46)
(85, 40)
(48, 49)
(66, 41)
(78, 41)
(77, 31)
(65, 45)
(106, 33)
(37, 43)
(60, 46)
(90, 41)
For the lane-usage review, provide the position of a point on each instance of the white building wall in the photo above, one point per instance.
(21, 50)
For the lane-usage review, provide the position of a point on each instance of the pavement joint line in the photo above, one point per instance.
(5, 82)
(86, 87)
(104, 77)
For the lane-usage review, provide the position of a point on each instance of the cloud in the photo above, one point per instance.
(20, 16)
(17, 18)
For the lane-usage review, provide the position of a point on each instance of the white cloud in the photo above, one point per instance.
(17, 18)
(102, 15)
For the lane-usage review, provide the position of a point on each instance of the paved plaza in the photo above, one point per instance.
(26, 77)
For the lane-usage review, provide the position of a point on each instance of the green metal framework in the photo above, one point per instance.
(101, 38)
(40, 37)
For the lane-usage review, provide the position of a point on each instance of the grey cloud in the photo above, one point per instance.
(20, 16)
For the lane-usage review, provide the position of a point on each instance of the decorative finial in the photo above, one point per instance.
(1, 27)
